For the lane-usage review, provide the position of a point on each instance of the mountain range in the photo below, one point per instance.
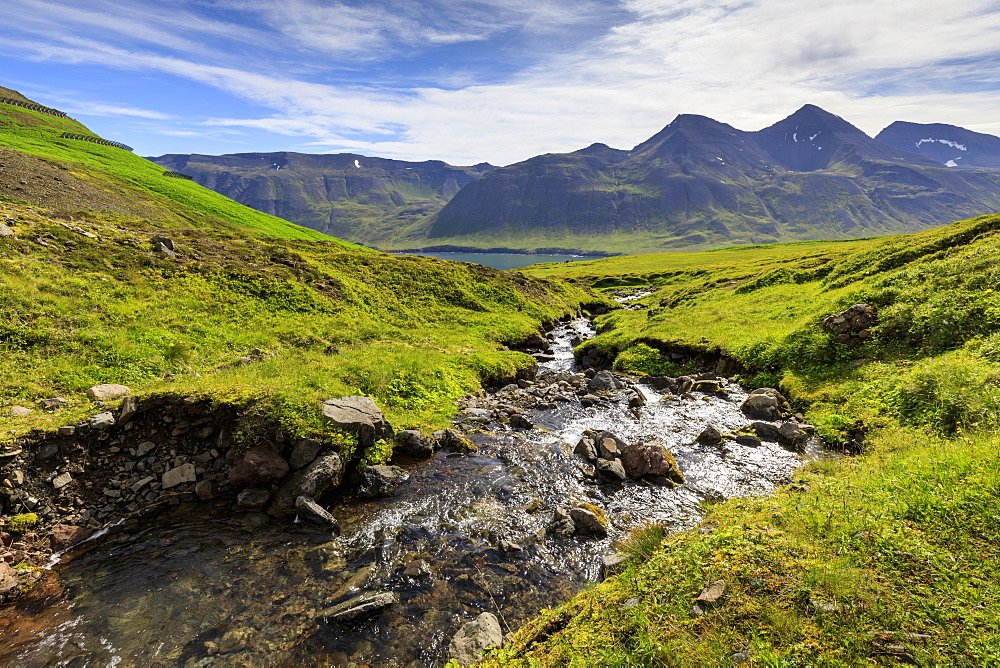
(698, 183)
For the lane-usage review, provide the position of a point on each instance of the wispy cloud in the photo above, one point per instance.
(595, 71)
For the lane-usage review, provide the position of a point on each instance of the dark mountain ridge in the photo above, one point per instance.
(945, 144)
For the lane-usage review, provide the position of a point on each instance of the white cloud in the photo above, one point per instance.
(746, 63)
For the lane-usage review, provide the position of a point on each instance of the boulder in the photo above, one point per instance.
(650, 459)
(521, 421)
(360, 416)
(773, 393)
(661, 383)
(206, 490)
(791, 436)
(710, 436)
(562, 525)
(304, 453)
(708, 387)
(313, 513)
(854, 320)
(323, 474)
(415, 444)
(6, 230)
(766, 431)
(604, 381)
(128, 407)
(748, 440)
(610, 470)
(360, 607)
(379, 480)
(474, 637)
(107, 392)
(8, 579)
(449, 439)
(256, 466)
(589, 519)
(761, 407)
(102, 421)
(19, 411)
(586, 449)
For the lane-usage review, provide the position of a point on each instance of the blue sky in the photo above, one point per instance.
(490, 80)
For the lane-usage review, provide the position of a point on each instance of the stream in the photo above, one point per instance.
(202, 586)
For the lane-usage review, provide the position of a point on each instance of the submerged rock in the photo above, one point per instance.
(474, 637)
(360, 607)
(253, 499)
(313, 513)
(323, 474)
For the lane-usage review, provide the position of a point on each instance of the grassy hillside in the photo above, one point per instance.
(86, 298)
(111, 180)
(883, 557)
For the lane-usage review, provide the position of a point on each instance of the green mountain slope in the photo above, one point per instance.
(351, 196)
(886, 556)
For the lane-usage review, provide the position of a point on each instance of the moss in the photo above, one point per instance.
(21, 523)
(597, 511)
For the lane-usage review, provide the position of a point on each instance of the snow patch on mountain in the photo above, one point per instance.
(946, 142)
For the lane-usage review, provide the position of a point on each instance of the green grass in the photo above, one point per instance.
(865, 558)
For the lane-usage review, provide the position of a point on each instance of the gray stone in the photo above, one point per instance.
(612, 564)
(791, 436)
(474, 637)
(304, 453)
(766, 431)
(761, 407)
(415, 444)
(102, 421)
(587, 521)
(360, 416)
(313, 513)
(107, 392)
(585, 448)
(604, 381)
(47, 452)
(323, 474)
(67, 430)
(253, 499)
(206, 490)
(62, 480)
(19, 411)
(610, 470)
(748, 440)
(360, 607)
(710, 597)
(521, 421)
(144, 448)
(6, 231)
(379, 480)
(607, 448)
(562, 525)
(128, 408)
(139, 484)
(418, 568)
(179, 475)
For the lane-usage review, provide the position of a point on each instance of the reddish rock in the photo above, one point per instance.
(67, 535)
(258, 465)
(650, 459)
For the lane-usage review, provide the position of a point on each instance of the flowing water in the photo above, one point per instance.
(201, 586)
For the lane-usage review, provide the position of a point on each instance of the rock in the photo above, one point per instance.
(304, 453)
(54, 403)
(19, 411)
(589, 400)
(360, 416)
(710, 436)
(107, 392)
(128, 408)
(521, 421)
(312, 481)
(589, 519)
(418, 568)
(144, 448)
(562, 525)
(8, 579)
(536, 342)
(449, 439)
(165, 242)
(856, 319)
(610, 470)
(792, 436)
(661, 383)
(765, 430)
(761, 407)
(313, 513)
(47, 452)
(62, 480)
(253, 499)
(474, 637)
(748, 440)
(612, 564)
(378, 480)
(179, 475)
(508, 547)
(6, 231)
(67, 535)
(415, 444)
(102, 421)
(604, 381)
(258, 465)
(360, 607)
(710, 597)
(650, 459)
(206, 490)
(15, 478)
(708, 387)
(608, 447)
(67, 430)
(585, 448)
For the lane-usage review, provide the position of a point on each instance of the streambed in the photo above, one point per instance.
(465, 534)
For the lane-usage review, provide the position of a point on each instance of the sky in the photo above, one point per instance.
(469, 81)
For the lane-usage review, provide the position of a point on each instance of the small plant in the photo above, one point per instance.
(21, 523)
(643, 542)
